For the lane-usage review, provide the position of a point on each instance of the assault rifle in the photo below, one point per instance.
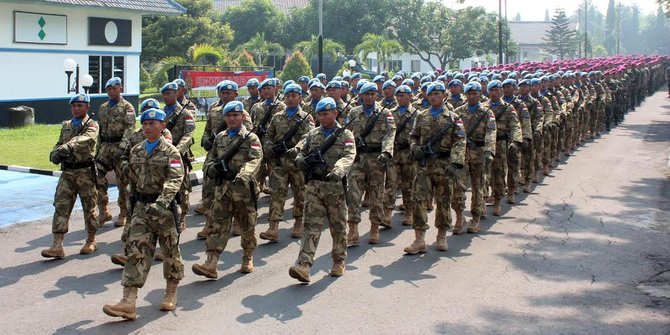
(315, 157)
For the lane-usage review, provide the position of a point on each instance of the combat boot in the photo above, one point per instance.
(297, 228)
(169, 302)
(408, 219)
(158, 255)
(204, 233)
(119, 259)
(526, 186)
(126, 307)
(199, 210)
(247, 262)
(388, 217)
(103, 215)
(545, 169)
(272, 234)
(429, 205)
(352, 236)
(299, 272)
(510, 196)
(56, 250)
(374, 234)
(441, 240)
(474, 225)
(236, 228)
(460, 220)
(90, 246)
(121, 220)
(497, 210)
(419, 244)
(207, 269)
(338, 268)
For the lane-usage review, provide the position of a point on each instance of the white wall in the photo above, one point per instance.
(33, 71)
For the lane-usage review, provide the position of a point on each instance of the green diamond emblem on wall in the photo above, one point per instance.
(41, 34)
(41, 22)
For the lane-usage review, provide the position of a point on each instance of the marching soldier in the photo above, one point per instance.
(181, 96)
(547, 119)
(117, 122)
(287, 128)
(254, 96)
(326, 155)
(261, 114)
(509, 86)
(233, 163)
(374, 129)
(438, 144)
(156, 176)
(531, 153)
(74, 152)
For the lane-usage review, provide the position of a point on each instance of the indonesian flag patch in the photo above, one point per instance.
(255, 146)
(348, 142)
(175, 163)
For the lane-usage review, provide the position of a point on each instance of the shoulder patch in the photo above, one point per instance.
(492, 122)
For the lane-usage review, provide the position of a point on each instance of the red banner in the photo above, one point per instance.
(196, 79)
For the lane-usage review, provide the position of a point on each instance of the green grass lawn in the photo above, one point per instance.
(30, 146)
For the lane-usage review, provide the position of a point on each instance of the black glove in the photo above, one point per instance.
(292, 153)
(333, 177)
(278, 150)
(301, 163)
(240, 180)
(63, 150)
(384, 158)
(417, 153)
(125, 168)
(268, 151)
(55, 158)
(526, 143)
(513, 146)
(206, 143)
(213, 170)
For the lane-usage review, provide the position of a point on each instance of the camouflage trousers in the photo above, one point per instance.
(538, 151)
(547, 139)
(70, 184)
(232, 200)
(513, 167)
(324, 200)
(401, 171)
(555, 139)
(432, 182)
(208, 190)
(499, 170)
(366, 175)
(109, 158)
(143, 233)
(264, 170)
(184, 192)
(586, 120)
(528, 157)
(597, 120)
(476, 167)
(282, 175)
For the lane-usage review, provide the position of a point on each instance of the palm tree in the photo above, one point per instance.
(197, 54)
(261, 48)
(380, 45)
(310, 47)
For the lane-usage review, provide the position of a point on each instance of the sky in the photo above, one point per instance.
(534, 10)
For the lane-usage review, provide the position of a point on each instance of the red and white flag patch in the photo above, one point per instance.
(348, 142)
(256, 146)
(175, 163)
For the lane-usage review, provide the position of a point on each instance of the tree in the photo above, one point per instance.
(611, 29)
(546, 15)
(561, 39)
(381, 45)
(167, 36)
(517, 17)
(260, 48)
(657, 34)
(310, 47)
(295, 66)
(197, 54)
(252, 17)
(245, 59)
(666, 5)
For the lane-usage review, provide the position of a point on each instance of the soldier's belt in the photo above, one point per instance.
(75, 166)
(146, 198)
(477, 143)
(369, 150)
(320, 177)
(503, 137)
(441, 155)
(402, 146)
(111, 139)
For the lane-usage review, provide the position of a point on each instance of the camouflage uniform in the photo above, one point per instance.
(547, 122)
(155, 179)
(401, 170)
(77, 177)
(117, 122)
(514, 155)
(258, 112)
(368, 174)
(325, 199)
(181, 124)
(189, 105)
(531, 153)
(250, 102)
(284, 171)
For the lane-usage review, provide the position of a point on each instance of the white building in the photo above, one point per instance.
(413, 63)
(104, 37)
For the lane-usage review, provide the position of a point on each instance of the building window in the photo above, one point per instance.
(416, 65)
(102, 68)
(393, 65)
(371, 63)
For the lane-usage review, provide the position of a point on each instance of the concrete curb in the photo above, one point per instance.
(195, 176)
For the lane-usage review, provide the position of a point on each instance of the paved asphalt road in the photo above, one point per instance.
(575, 257)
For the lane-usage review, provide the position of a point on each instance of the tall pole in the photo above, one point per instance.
(506, 59)
(618, 35)
(320, 36)
(500, 46)
(586, 30)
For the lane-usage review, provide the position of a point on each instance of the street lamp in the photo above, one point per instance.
(70, 66)
(86, 82)
(320, 52)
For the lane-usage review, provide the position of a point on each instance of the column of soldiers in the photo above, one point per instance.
(432, 136)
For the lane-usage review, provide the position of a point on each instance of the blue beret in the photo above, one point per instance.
(425, 79)
(346, 77)
(528, 76)
(361, 83)
(152, 114)
(473, 86)
(535, 81)
(378, 79)
(396, 77)
(455, 82)
(233, 106)
(321, 76)
(415, 75)
(227, 85)
(583, 74)
(81, 97)
(303, 79)
(459, 75)
(442, 77)
(325, 105)
(424, 86)
(435, 86)
(253, 82)
(317, 84)
(476, 79)
(337, 78)
(524, 82)
(292, 88)
(114, 81)
(408, 82)
(512, 75)
(267, 82)
(149, 103)
(333, 84)
(494, 84)
(592, 73)
(544, 79)
(403, 89)
(509, 81)
(168, 87)
(180, 82)
(368, 87)
(288, 82)
(504, 73)
(344, 83)
(356, 75)
(496, 76)
(388, 83)
(484, 79)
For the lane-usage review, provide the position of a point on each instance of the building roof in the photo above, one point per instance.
(531, 32)
(146, 7)
(285, 6)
